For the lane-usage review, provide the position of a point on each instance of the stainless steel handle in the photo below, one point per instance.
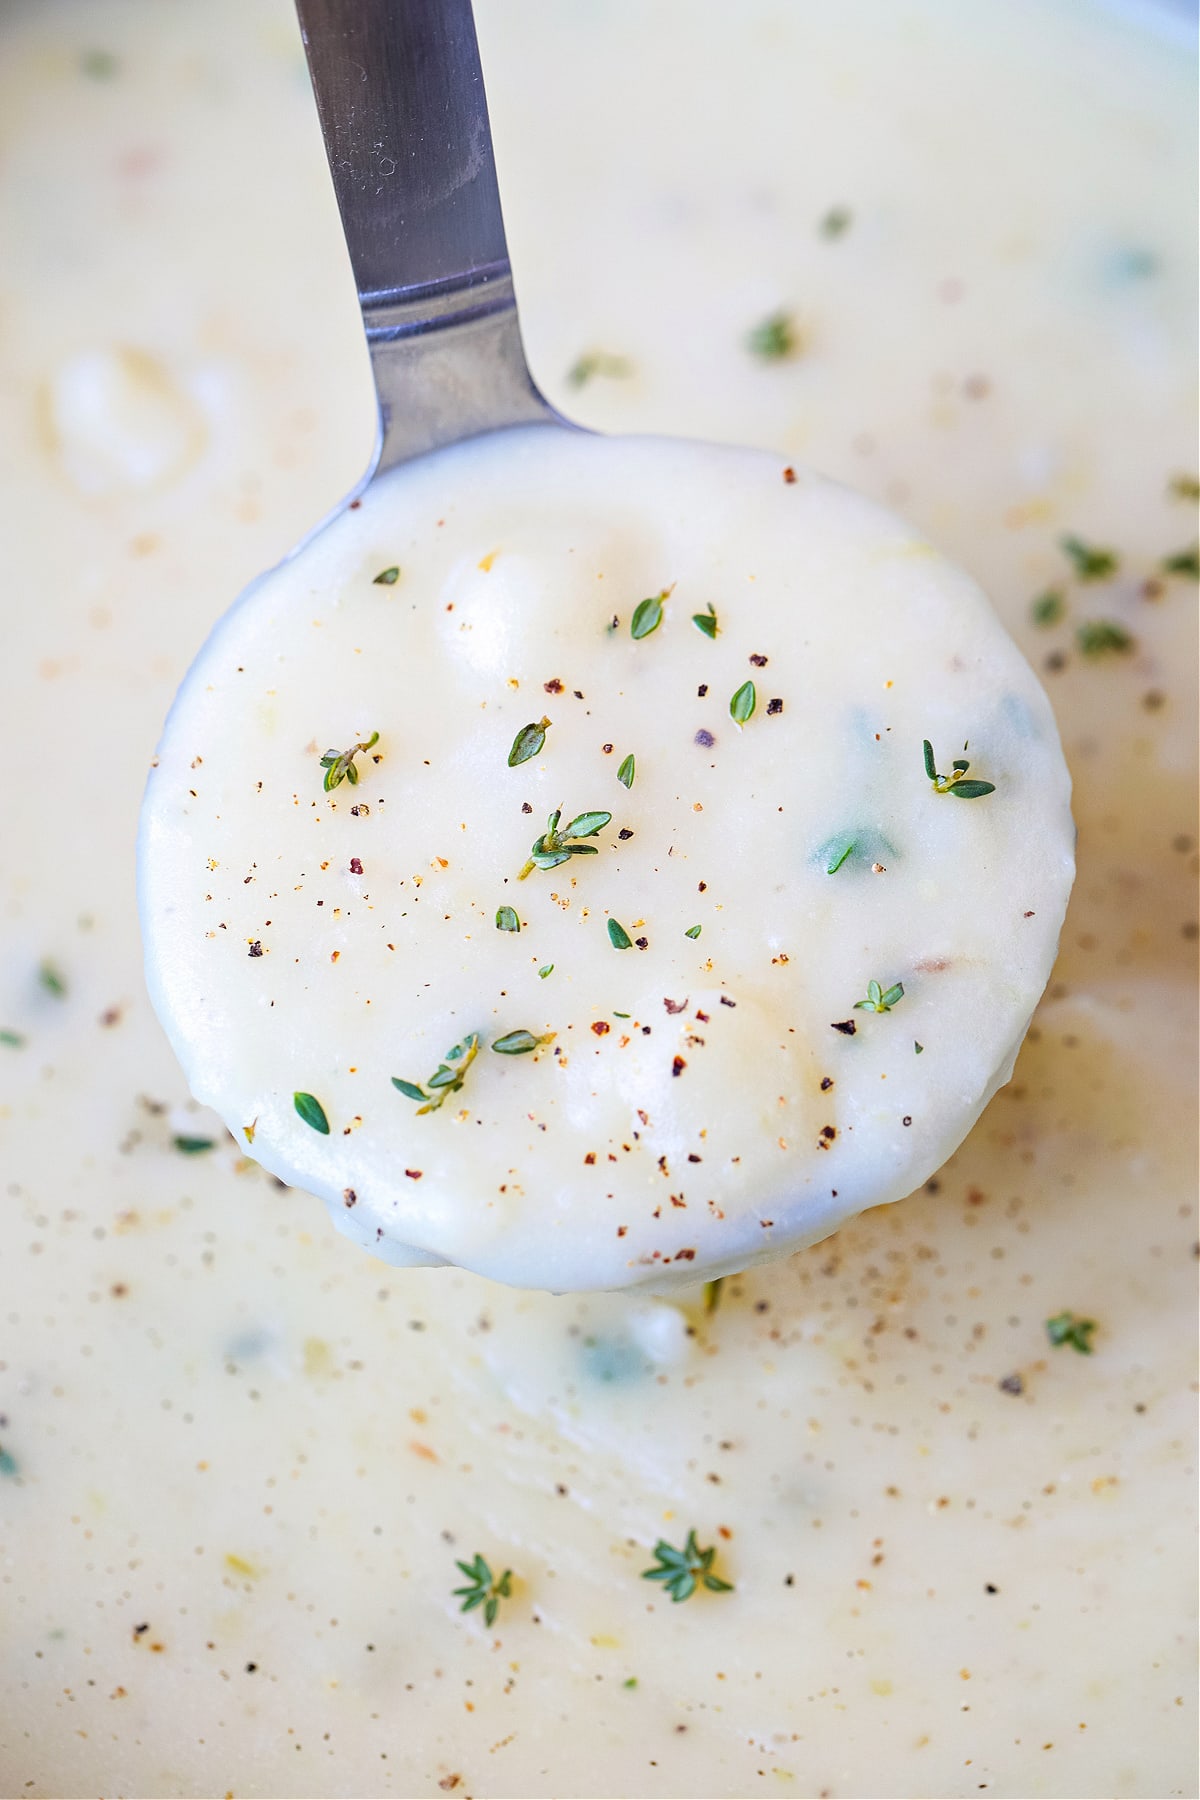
(400, 96)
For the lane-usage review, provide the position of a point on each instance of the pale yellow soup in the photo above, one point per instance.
(239, 1460)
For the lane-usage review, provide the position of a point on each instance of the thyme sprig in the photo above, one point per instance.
(1068, 1328)
(483, 1588)
(954, 782)
(682, 1571)
(618, 937)
(877, 1000)
(707, 621)
(387, 577)
(647, 615)
(339, 764)
(446, 1079)
(528, 742)
(1102, 637)
(627, 771)
(741, 707)
(557, 846)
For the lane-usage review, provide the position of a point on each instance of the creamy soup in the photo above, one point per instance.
(743, 1081)
(944, 1460)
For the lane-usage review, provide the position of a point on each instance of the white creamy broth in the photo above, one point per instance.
(699, 1065)
(239, 1458)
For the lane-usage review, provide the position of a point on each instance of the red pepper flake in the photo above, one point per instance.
(726, 1001)
(355, 866)
(642, 943)
(675, 1006)
(774, 707)
(847, 1027)
(678, 1066)
(829, 1132)
(702, 1016)
(789, 474)
(601, 1027)
(525, 807)
(826, 1083)
(354, 505)
(414, 1174)
(349, 1197)
(685, 1256)
(256, 948)
(621, 1230)
(607, 749)
(758, 661)
(590, 1158)
(553, 687)
(625, 834)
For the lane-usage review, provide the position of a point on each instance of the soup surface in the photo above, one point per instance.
(945, 1459)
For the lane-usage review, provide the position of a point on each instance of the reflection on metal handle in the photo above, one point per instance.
(400, 97)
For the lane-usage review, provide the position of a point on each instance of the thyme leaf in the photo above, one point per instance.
(546, 969)
(693, 931)
(1184, 487)
(312, 1112)
(196, 1146)
(1102, 637)
(837, 220)
(1069, 1328)
(519, 1043)
(618, 937)
(741, 707)
(627, 771)
(647, 615)
(1183, 562)
(707, 621)
(954, 783)
(339, 764)
(597, 362)
(774, 338)
(1048, 608)
(1091, 563)
(13, 1039)
(528, 742)
(682, 1571)
(53, 982)
(387, 577)
(483, 1588)
(506, 919)
(838, 857)
(446, 1079)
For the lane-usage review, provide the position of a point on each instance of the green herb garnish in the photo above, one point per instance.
(647, 615)
(53, 982)
(618, 937)
(1091, 564)
(1048, 608)
(13, 1039)
(1102, 637)
(954, 782)
(312, 1112)
(99, 65)
(1183, 562)
(631, 1683)
(528, 742)
(1067, 1328)
(1184, 487)
(446, 1079)
(712, 1294)
(918, 1049)
(555, 846)
(483, 1590)
(877, 1000)
(774, 338)
(339, 764)
(519, 1043)
(838, 857)
(682, 1571)
(741, 707)
(693, 931)
(196, 1146)
(626, 772)
(706, 621)
(836, 220)
(387, 577)
(546, 969)
(506, 919)
(597, 362)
